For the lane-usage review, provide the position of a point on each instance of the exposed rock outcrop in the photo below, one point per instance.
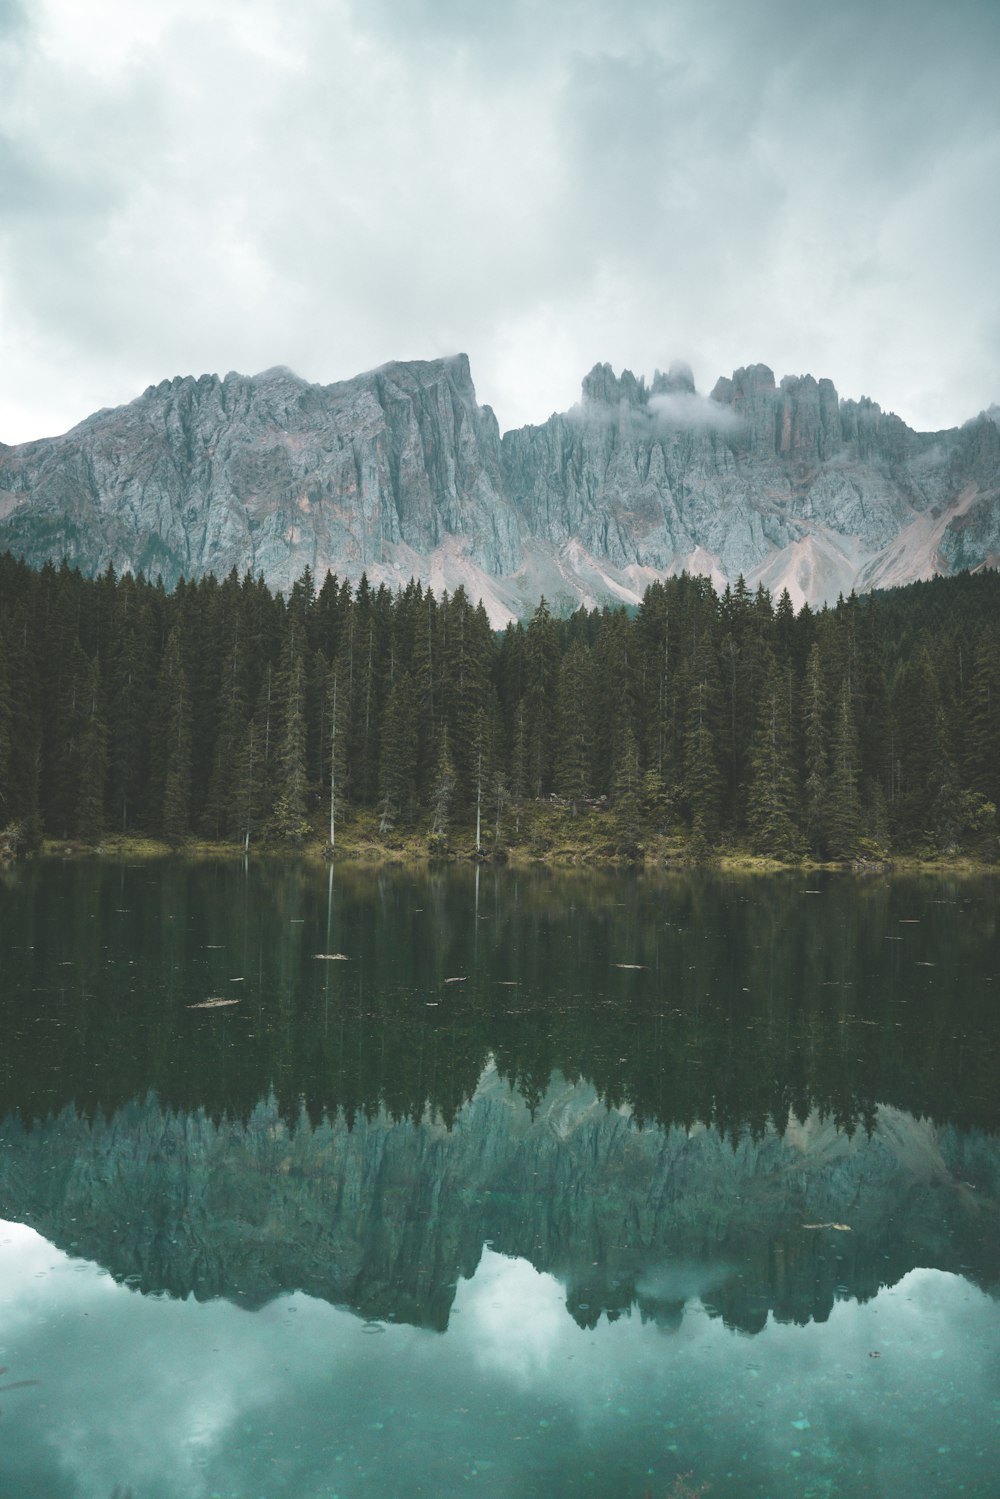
(400, 472)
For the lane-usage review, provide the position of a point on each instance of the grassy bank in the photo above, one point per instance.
(547, 833)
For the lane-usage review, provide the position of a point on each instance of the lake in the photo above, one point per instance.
(375, 1182)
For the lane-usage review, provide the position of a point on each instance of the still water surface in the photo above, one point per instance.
(387, 1183)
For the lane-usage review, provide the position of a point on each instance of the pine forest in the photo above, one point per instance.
(697, 723)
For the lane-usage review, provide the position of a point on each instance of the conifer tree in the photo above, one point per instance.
(398, 758)
(541, 663)
(136, 784)
(770, 805)
(627, 792)
(290, 804)
(814, 733)
(7, 810)
(702, 779)
(982, 739)
(519, 765)
(574, 738)
(219, 815)
(339, 718)
(442, 791)
(93, 761)
(24, 756)
(610, 692)
(172, 693)
(843, 805)
(62, 756)
(254, 788)
(482, 756)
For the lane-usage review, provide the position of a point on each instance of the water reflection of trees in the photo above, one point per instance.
(750, 998)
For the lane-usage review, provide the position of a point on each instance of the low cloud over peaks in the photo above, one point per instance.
(682, 408)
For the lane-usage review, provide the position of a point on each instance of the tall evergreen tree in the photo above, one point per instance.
(843, 804)
(398, 759)
(574, 739)
(172, 694)
(815, 738)
(290, 803)
(339, 718)
(627, 792)
(702, 778)
(771, 823)
(93, 761)
(442, 790)
(541, 664)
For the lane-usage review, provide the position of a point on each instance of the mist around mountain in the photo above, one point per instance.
(400, 473)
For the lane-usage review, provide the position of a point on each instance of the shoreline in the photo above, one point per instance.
(547, 846)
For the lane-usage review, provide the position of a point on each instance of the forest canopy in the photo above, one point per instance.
(228, 712)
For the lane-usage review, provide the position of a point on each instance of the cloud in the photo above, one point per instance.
(190, 186)
(12, 18)
(687, 409)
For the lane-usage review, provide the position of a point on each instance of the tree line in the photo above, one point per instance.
(225, 711)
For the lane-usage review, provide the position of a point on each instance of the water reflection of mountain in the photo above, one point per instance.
(595, 1072)
(385, 1217)
(688, 999)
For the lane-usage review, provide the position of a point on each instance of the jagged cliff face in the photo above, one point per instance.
(271, 474)
(384, 1217)
(785, 484)
(401, 473)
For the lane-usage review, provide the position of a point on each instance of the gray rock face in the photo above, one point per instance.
(400, 472)
(269, 473)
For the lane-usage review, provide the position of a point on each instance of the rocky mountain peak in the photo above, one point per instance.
(399, 472)
(678, 379)
(604, 387)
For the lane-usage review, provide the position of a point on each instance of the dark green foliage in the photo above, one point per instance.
(174, 741)
(225, 710)
(338, 718)
(627, 788)
(816, 759)
(843, 803)
(702, 783)
(93, 759)
(290, 803)
(771, 806)
(398, 760)
(574, 733)
(443, 790)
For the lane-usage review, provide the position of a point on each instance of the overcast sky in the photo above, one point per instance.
(205, 185)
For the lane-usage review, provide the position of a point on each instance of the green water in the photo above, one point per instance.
(384, 1183)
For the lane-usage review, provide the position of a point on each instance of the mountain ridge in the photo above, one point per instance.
(400, 472)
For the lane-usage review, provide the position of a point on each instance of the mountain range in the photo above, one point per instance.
(401, 473)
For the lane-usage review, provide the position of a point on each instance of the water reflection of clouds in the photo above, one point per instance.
(518, 1317)
(175, 1399)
